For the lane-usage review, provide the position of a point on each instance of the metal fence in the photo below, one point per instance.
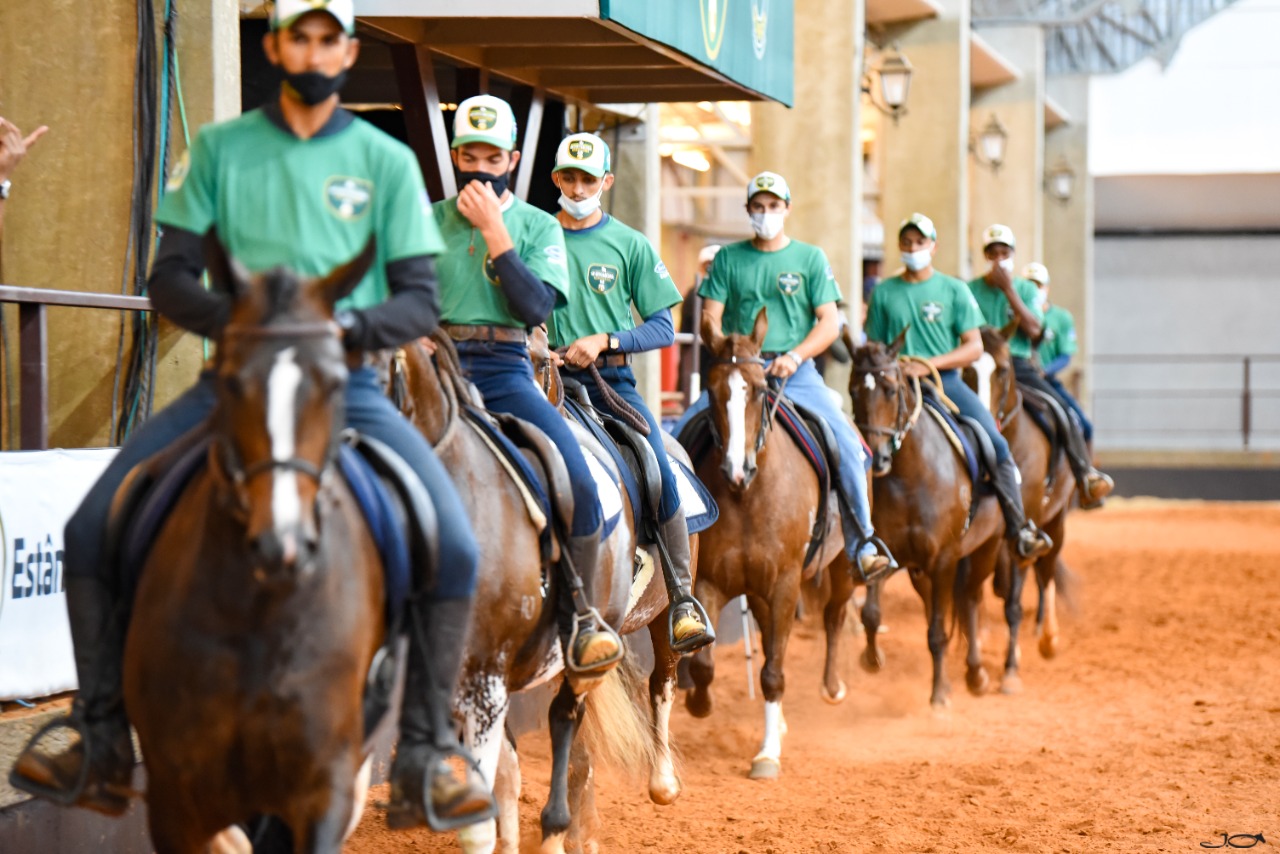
(1213, 401)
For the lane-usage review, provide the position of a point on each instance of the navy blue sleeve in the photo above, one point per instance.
(656, 332)
(1058, 364)
(530, 298)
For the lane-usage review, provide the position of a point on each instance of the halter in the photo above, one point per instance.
(905, 420)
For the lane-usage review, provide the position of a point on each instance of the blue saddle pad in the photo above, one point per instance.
(606, 441)
(970, 456)
(809, 444)
(513, 455)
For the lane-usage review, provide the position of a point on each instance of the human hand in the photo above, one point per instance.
(480, 205)
(428, 345)
(557, 358)
(584, 351)
(783, 366)
(1000, 278)
(919, 370)
(14, 146)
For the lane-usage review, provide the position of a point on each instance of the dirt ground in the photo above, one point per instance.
(1156, 728)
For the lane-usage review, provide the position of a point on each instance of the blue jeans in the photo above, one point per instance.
(623, 381)
(1086, 426)
(503, 373)
(367, 409)
(967, 399)
(807, 388)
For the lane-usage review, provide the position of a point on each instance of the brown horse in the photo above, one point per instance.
(1047, 488)
(769, 497)
(514, 643)
(922, 496)
(260, 607)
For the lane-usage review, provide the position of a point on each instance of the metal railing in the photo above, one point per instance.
(33, 349)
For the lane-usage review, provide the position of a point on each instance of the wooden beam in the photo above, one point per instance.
(676, 76)
(614, 56)
(640, 93)
(424, 123)
(533, 32)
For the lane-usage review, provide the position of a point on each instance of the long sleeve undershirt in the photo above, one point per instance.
(656, 332)
(530, 298)
(1058, 364)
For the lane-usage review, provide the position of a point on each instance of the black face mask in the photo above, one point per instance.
(313, 86)
(499, 183)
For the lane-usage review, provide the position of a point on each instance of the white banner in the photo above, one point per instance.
(39, 490)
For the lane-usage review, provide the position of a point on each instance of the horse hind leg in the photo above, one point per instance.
(506, 789)
(1047, 615)
(832, 688)
(564, 717)
(484, 705)
(1011, 679)
(583, 821)
(940, 696)
(872, 657)
(664, 783)
(975, 677)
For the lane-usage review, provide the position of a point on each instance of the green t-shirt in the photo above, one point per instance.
(611, 267)
(940, 309)
(790, 284)
(997, 311)
(1059, 334)
(470, 293)
(307, 204)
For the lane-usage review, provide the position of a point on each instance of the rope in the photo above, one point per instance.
(937, 382)
(620, 407)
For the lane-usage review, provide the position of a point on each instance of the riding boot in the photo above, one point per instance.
(425, 786)
(592, 646)
(688, 627)
(1029, 540)
(96, 771)
(1094, 485)
(872, 565)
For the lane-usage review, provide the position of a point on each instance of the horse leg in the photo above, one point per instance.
(833, 688)
(506, 790)
(1011, 681)
(484, 706)
(1047, 579)
(872, 658)
(174, 830)
(664, 784)
(565, 716)
(583, 821)
(319, 824)
(775, 630)
(975, 675)
(702, 667)
(939, 601)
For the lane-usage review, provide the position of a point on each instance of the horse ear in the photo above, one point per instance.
(896, 347)
(760, 329)
(712, 335)
(343, 280)
(1010, 329)
(225, 272)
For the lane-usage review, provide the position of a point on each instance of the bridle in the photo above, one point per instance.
(767, 412)
(906, 417)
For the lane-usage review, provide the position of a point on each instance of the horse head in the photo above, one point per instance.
(545, 371)
(739, 397)
(281, 373)
(991, 376)
(878, 388)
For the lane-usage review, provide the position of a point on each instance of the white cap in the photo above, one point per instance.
(769, 182)
(920, 223)
(285, 12)
(484, 118)
(999, 234)
(584, 151)
(1036, 272)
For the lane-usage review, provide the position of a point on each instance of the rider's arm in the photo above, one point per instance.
(656, 332)
(530, 298)
(1029, 322)
(713, 313)
(823, 333)
(412, 312)
(969, 351)
(175, 289)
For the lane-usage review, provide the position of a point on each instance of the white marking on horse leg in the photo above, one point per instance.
(282, 418)
(736, 409)
(360, 795)
(775, 727)
(984, 367)
(484, 709)
(506, 788)
(231, 841)
(664, 785)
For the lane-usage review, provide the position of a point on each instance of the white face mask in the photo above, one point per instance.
(1005, 264)
(767, 225)
(1041, 299)
(584, 208)
(915, 261)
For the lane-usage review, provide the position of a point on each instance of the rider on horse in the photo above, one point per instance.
(303, 184)
(502, 271)
(611, 268)
(1057, 343)
(1003, 297)
(794, 283)
(942, 320)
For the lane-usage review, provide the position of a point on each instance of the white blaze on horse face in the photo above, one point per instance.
(984, 367)
(869, 381)
(282, 422)
(736, 410)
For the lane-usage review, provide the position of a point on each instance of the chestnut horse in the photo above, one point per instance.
(921, 499)
(515, 644)
(1047, 488)
(769, 496)
(260, 606)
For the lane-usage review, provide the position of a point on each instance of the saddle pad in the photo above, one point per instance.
(517, 461)
(607, 490)
(798, 430)
(592, 426)
(948, 422)
(700, 509)
(153, 509)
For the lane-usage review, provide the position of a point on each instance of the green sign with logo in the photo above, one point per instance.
(750, 41)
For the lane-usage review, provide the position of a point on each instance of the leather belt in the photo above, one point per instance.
(615, 360)
(506, 334)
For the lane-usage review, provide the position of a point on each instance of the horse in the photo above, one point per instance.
(921, 500)
(1047, 488)
(761, 485)
(514, 643)
(260, 606)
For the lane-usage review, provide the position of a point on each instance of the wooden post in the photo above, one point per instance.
(420, 98)
(33, 356)
(529, 143)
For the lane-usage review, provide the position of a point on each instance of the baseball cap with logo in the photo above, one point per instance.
(584, 151)
(999, 234)
(285, 12)
(484, 118)
(1036, 272)
(920, 223)
(769, 182)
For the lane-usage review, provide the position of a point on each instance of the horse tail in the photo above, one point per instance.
(959, 596)
(616, 729)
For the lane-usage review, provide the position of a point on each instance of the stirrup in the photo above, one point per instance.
(596, 668)
(75, 795)
(695, 642)
(405, 816)
(883, 549)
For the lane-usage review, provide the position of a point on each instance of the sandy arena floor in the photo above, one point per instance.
(1156, 728)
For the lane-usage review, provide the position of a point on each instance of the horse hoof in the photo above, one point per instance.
(1048, 646)
(977, 680)
(233, 840)
(940, 709)
(698, 702)
(664, 791)
(765, 768)
(871, 663)
(837, 697)
(480, 838)
(553, 844)
(1011, 684)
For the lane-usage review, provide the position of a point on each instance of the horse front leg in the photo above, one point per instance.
(702, 666)
(320, 823)
(975, 675)
(583, 822)
(1011, 679)
(940, 600)
(564, 717)
(506, 790)
(872, 657)
(833, 689)
(775, 632)
(664, 784)
(1048, 571)
(483, 702)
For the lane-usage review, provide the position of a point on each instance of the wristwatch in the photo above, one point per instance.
(346, 321)
(615, 343)
(4, 189)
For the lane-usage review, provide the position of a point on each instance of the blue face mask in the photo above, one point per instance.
(916, 261)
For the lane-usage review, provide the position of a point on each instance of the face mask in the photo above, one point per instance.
(497, 182)
(582, 209)
(767, 225)
(916, 261)
(313, 86)
(1040, 300)
(1005, 264)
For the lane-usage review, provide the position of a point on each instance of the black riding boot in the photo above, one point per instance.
(870, 567)
(1029, 540)
(593, 648)
(688, 627)
(1094, 485)
(95, 772)
(425, 788)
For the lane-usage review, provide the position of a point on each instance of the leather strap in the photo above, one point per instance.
(614, 360)
(506, 334)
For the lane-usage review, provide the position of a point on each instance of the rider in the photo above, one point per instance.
(611, 268)
(502, 271)
(942, 321)
(795, 284)
(302, 183)
(1004, 297)
(1057, 344)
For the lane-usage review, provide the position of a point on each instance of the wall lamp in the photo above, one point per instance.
(893, 73)
(989, 147)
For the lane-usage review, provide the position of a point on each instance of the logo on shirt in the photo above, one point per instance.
(661, 270)
(482, 118)
(789, 283)
(348, 198)
(179, 173)
(602, 277)
(931, 312)
(1049, 335)
(581, 149)
(555, 254)
(491, 272)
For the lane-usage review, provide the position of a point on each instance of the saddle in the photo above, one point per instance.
(970, 441)
(1053, 420)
